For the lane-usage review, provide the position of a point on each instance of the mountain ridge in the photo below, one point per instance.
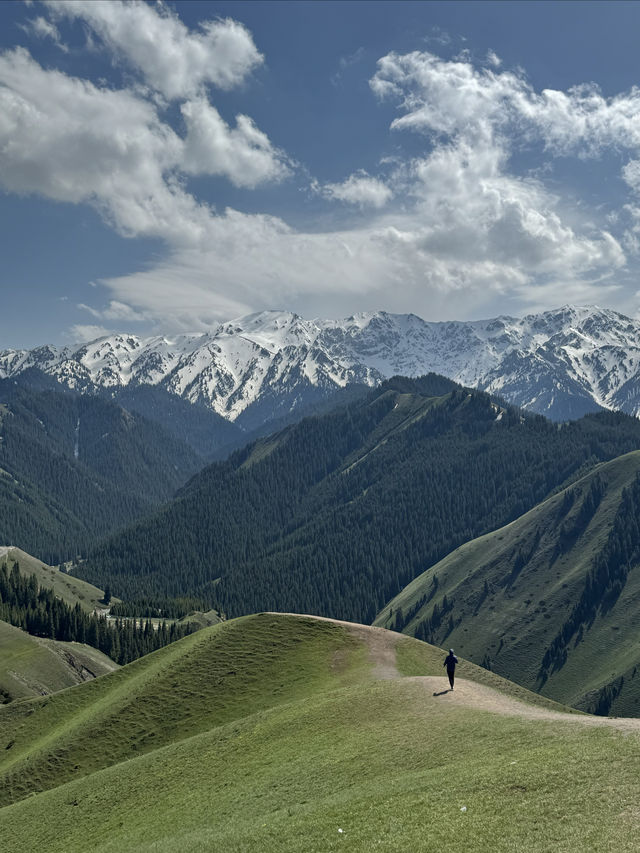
(562, 363)
(336, 514)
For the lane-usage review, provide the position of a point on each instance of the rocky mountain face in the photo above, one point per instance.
(262, 367)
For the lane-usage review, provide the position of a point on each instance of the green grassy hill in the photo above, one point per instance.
(286, 733)
(70, 589)
(32, 666)
(501, 599)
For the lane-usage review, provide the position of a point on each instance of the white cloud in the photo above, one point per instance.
(472, 209)
(72, 141)
(400, 263)
(117, 311)
(80, 334)
(173, 60)
(452, 98)
(466, 229)
(41, 28)
(471, 230)
(244, 154)
(346, 62)
(359, 189)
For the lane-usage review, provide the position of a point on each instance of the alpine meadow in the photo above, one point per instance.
(319, 426)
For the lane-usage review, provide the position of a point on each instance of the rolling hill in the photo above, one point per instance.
(34, 666)
(284, 733)
(533, 601)
(336, 514)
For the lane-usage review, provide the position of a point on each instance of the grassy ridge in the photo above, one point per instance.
(70, 589)
(504, 613)
(31, 666)
(288, 760)
(216, 675)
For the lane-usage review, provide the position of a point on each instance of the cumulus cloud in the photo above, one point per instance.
(453, 97)
(72, 141)
(359, 189)
(466, 227)
(173, 60)
(244, 153)
(472, 204)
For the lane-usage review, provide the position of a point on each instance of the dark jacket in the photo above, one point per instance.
(450, 662)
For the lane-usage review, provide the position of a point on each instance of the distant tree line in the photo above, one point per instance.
(37, 610)
(158, 608)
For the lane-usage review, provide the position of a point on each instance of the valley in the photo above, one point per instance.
(441, 514)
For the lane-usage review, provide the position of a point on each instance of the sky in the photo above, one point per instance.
(165, 167)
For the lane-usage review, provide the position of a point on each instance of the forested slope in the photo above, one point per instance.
(336, 514)
(550, 600)
(75, 468)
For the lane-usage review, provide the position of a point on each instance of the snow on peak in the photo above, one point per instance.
(585, 353)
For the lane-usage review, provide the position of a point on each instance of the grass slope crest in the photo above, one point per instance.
(284, 733)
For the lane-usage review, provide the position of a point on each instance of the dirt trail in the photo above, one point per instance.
(382, 651)
(380, 642)
(483, 698)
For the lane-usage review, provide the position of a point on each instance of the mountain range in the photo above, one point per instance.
(270, 366)
(335, 514)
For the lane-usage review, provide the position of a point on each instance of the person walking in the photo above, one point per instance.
(450, 662)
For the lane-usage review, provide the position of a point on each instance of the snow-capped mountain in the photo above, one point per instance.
(560, 363)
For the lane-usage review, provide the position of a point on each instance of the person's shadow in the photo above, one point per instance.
(442, 692)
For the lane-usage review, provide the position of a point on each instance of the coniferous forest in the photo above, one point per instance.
(37, 611)
(74, 468)
(336, 514)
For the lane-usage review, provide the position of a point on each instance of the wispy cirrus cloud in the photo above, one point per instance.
(44, 29)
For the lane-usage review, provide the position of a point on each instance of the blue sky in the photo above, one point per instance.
(165, 167)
